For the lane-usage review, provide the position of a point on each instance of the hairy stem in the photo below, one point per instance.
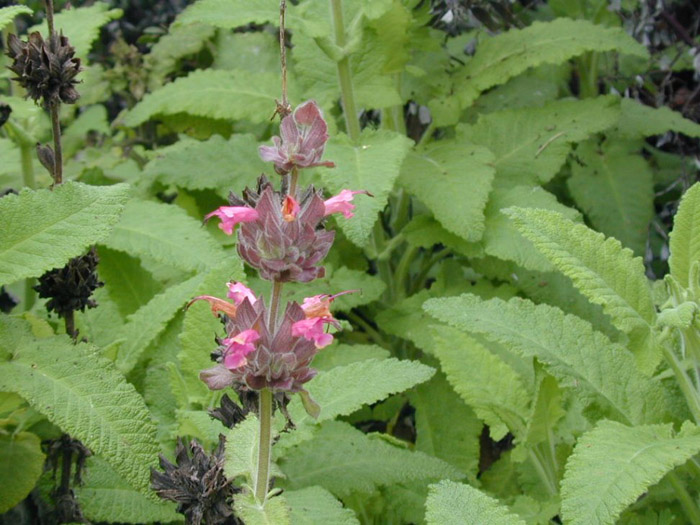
(49, 17)
(69, 320)
(262, 479)
(685, 383)
(283, 55)
(274, 306)
(347, 95)
(689, 506)
(54, 107)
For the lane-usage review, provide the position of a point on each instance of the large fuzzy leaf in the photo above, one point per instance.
(614, 186)
(166, 234)
(211, 93)
(43, 229)
(451, 503)
(454, 180)
(21, 464)
(344, 460)
(8, 13)
(568, 345)
(511, 53)
(638, 120)
(613, 465)
(604, 271)
(105, 496)
(84, 395)
(315, 505)
(373, 165)
(685, 238)
(531, 144)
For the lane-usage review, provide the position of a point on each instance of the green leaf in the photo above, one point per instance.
(614, 186)
(446, 428)
(45, 228)
(573, 352)
(601, 269)
(7, 14)
(242, 449)
(105, 496)
(166, 234)
(373, 165)
(345, 354)
(504, 56)
(82, 25)
(502, 240)
(274, 511)
(638, 120)
(685, 238)
(454, 180)
(315, 505)
(256, 52)
(144, 325)
(613, 465)
(344, 460)
(85, 396)
(233, 95)
(531, 144)
(21, 464)
(451, 503)
(485, 382)
(196, 165)
(425, 232)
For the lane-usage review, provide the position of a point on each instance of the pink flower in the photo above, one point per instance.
(217, 305)
(312, 330)
(239, 292)
(319, 305)
(239, 347)
(304, 136)
(341, 203)
(232, 215)
(290, 208)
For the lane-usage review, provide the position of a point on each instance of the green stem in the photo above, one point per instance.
(689, 506)
(383, 266)
(402, 270)
(274, 306)
(390, 246)
(54, 107)
(542, 471)
(347, 95)
(293, 179)
(427, 266)
(686, 385)
(369, 329)
(262, 479)
(427, 135)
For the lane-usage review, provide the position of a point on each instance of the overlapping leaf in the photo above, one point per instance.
(451, 503)
(9, 12)
(685, 238)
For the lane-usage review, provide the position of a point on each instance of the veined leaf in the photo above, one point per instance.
(613, 465)
(614, 186)
(531, 144)
(82, 25)
(504, 56)
(274, 511)
(451, 503)
(345, 354)
(234, 95)
(454, 181)
(105, 496)
(685, 238)
(601, 269)
(373, 165)
(84, 395)
(45, 228)
(344, 460)
(7, 14)
(486, 383)
(166, 234)
(242, 448)
(144, 325)
(566, 344)
(425, 232)
(638, 120)
(21, 465)
(315, 505)
(196, 165)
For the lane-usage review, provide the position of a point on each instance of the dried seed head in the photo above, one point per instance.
(45, 68)
(5, 111)
(229, 413)
(197, 484)
(69, 288)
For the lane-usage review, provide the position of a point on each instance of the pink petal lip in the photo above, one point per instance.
(342, 203)
(232, 215)
(312, 330)
(239, 292)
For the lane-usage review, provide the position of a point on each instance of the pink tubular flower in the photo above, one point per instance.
(312, 329)
(239, 347)
(232, 215)
(341, 203)
(217, 305)
(290, 208)
(239, 291)
(304, 134)
(319, 305)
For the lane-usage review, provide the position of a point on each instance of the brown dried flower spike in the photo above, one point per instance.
(45, 68)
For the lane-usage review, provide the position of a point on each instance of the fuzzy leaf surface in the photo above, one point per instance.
(614, 186)
(233, 95)
(685, 238)
(7, 14)
(105, 496)
(613, 465)
(454, 181)
(638, 120)
(314, 505)
(451, 503)
(85, 396)
(344, 460)
(566, 344)
(511, 53)
(44, 229)
(166, 234)
(242, 448)
(21, 465)
(372, 165)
